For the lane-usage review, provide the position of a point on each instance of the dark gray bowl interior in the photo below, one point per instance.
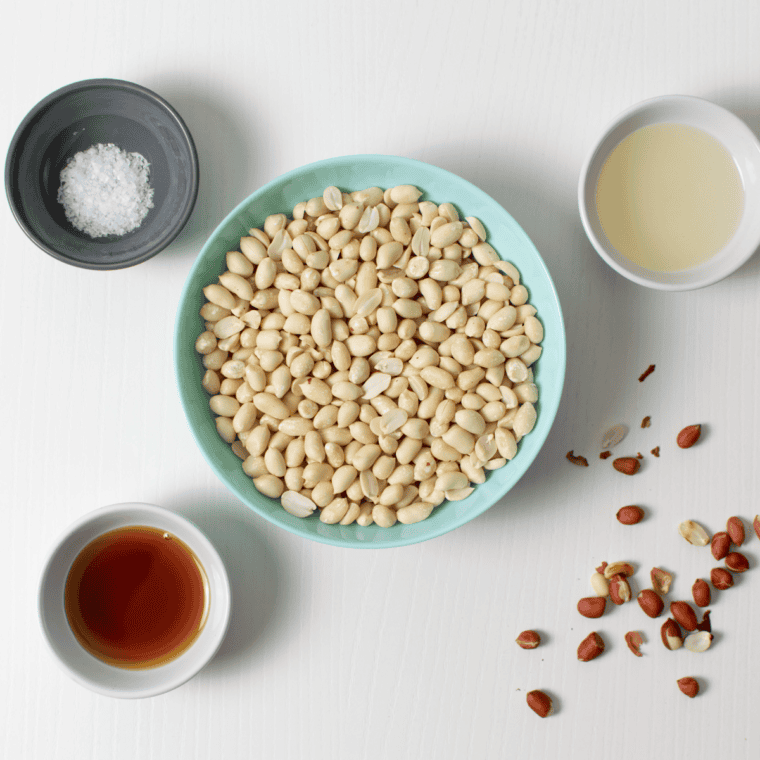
(71, 120)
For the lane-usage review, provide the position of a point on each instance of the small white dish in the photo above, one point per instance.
(725, 127)
(95, 674)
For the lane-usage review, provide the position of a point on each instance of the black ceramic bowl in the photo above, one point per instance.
(71, 120)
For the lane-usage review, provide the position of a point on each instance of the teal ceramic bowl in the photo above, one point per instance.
(356, 173)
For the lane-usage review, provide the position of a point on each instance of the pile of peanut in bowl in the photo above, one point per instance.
(369, 356)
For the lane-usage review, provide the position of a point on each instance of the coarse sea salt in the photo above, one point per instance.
(106, 191)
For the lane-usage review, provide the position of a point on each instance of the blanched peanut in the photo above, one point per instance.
(529, 357)
(489, 357)
(534, 330)
(525, 419)
(474, 473)
(484, 254)
(493, 411)
(334, 434)
(326, 417)
(269, 485)
(296, 426)
(502, 319)
(229, 386)
(219, 295)
(211, 382)
(514, 346)
(343, 477)
(254, 467)
(225, 429)
(347, 391)
(383, 516)
(224, 406)
(458, 438)
(354, 492)
(244, 418)
(523, 312)
(322, 493)
(351, 514)
(517, 372)
(471, 421)
(414, 513)
(335, 511)
(437, 377)
(505, 443)
(446, 234)
(270, 404)
(361, 345)
(525, 392)
(365, 515)
(391, 495)
(405, 194)
(451, 481)
(275, 462)
(366, 456)
(237, 285)
(205, 343)
(445, 270)
(373, 356)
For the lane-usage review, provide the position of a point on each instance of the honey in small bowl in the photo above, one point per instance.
(136, 597)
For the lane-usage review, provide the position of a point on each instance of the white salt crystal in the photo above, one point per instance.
(105, 190)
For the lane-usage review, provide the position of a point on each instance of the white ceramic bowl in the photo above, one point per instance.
(724, 126)
(91, 672)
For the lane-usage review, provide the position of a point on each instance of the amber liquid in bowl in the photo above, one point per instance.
(136, 597)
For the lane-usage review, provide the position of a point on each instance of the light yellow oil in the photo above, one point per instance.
(669, 197)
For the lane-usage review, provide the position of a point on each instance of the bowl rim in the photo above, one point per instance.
(548, 410)
(199, 540)
(84, 84)
(696, 282)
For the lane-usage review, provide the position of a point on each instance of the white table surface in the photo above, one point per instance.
(405, 653)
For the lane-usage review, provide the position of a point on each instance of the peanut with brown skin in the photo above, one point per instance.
(720, 545)
(591, 647)
(684, 615)
(689, 436)
(620, 590)
(735, 530)
(630, 515)
(528, 640)
(688, 686)
(540, 703)
(671, 635)
(721, 579)
(651, 603)
(592, 606)
(626, 465)
(701, 592)
(736, 562)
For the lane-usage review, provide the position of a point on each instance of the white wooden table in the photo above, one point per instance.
(405, 653)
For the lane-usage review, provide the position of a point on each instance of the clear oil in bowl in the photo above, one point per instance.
(669, 197)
